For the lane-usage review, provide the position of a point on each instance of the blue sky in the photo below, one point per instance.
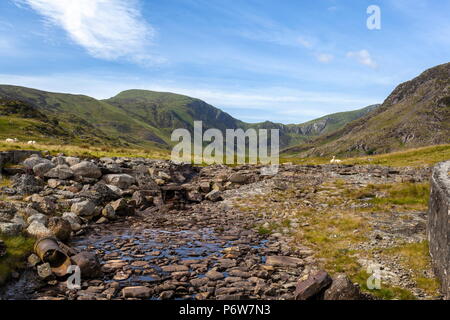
(282, 60)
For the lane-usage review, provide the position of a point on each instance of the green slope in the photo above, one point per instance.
(416, 114)
(133, 118)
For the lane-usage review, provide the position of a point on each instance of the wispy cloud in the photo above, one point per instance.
(363, 57)
(305, 42)
(108, 30)
(324, 57)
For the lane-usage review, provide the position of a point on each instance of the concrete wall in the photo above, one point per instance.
(439, 224)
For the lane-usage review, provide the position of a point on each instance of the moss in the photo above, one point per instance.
(18, 248)
(416, 257)
(264, 231)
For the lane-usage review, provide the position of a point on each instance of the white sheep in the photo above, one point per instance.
(9, 140)
(32, 142)
(334, 160)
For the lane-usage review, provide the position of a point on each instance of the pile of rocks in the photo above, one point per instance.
(59, 196)
(201, 247)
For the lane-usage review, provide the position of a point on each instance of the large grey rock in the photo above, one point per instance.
(439, 224)
(214, 196)
(45, 272)
(39, 217)
(43, 167)
(34, 160)
(74, 220)
(100, 194)
(282, 261)
(143, 199)
(343, 289)
(122, 208)
(89, 265)
(71, 161)
(84, 208)
(87, 169)
(38, 230)
(238, 178)
(313, 286)
(123, 181)
(46, 205)
(60, 228)
(10, 228)
(61, 172)
(7, 211)
(137, 292)
(26, 184)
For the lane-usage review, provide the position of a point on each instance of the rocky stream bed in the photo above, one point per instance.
(156, 230)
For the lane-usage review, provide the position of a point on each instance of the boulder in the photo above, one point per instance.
(143, 199)
(214, 196)
(46, 205)
(214, 275)
(62, 172)
(282, 261)
(27, 184)
(42, 168)
(137, 292)
(7, 211)
(238, 178)
(74, 220)
(38, 230)
(122, 208)
(59, 160)
(60, 228)
(89, 265)
(39, 217)
(84, 208)
(342, 289)
(313, 286)
(100, 194)
(194, 196)
(45, 272)
(86, 169)
(109, 212)
(32, 161)
(205, 186)
(33, 260)
(122, 181)
(10, 229)
(71, 161)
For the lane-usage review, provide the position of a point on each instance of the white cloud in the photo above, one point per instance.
(307, 43)
(107, 29)
(324, 57)
(363, 57)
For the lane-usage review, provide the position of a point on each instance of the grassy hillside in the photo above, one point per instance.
(132, 119)
(415, 157)
(86, 120)
(416, 114)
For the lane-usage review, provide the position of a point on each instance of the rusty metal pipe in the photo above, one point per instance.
(49, 251)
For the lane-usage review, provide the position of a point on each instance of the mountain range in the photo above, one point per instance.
(417, 113)
(137, 118)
